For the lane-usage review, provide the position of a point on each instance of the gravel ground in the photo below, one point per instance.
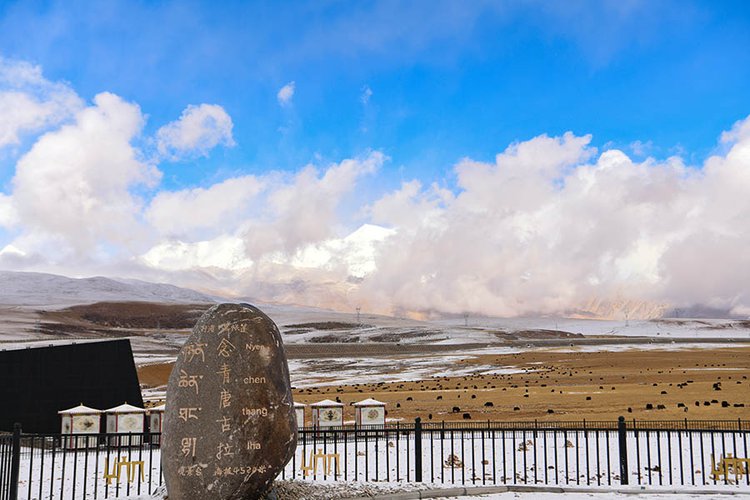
(301, 490)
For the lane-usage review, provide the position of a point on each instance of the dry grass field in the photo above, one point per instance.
(706, 383)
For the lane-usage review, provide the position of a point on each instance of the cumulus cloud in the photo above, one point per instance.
(75, 182)
(192, 212)
(302, 209)
(223, 253)
(272, 236)
(31, 103)
(8, 216)
(551, 225)
(285, 94)
(198, 130)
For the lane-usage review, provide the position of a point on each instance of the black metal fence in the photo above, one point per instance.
(85, 466)
(684, 453)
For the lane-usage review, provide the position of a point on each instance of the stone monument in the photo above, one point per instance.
(229, 424)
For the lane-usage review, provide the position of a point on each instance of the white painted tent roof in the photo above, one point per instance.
(327, 402)
(79, 410)
(158, 408)
(369, 402)
(299, 405)
(125, 408)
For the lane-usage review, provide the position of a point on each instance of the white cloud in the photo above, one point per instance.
(198, 130)
(30, 103)
(354, 253)
(366, 94)
(302, 210)
(272, 226)
(543, 229)
(640, 148)
(549, 225)
(211, 210)
(8, 216)
(285, 94)
(74, 182)
(225, 253)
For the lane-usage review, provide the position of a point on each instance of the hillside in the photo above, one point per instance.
(40, 289)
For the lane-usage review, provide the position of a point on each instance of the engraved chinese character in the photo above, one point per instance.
(224, 450)
(232, 328)
(193, 350)
(225, 348)
(225, 372)
(188, 413)
(189, 380)
(188, 446)
(225, 399)
(225, 426)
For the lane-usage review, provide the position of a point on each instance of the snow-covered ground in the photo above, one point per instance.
(449, 458)
(638, 494)
(666, 327)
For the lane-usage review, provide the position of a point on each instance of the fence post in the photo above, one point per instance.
(418, 450)
(15, 463)
(623, 442)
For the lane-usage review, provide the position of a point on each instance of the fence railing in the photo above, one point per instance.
(9, 463)
(685, 453)
(561, 453)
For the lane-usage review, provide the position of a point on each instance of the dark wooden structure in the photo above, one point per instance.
(36, 381)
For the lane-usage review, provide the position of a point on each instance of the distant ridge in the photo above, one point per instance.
(40, 289)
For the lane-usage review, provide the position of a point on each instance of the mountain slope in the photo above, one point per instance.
(40, 289)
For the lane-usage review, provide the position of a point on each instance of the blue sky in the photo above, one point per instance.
(448, 79)
(401, 108)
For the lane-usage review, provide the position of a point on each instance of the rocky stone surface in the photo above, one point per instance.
(229, 425)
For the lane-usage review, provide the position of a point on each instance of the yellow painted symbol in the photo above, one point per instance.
(131, 467)
(328, 459)
(729, 465)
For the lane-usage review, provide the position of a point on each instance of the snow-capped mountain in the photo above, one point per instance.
(36, 289)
